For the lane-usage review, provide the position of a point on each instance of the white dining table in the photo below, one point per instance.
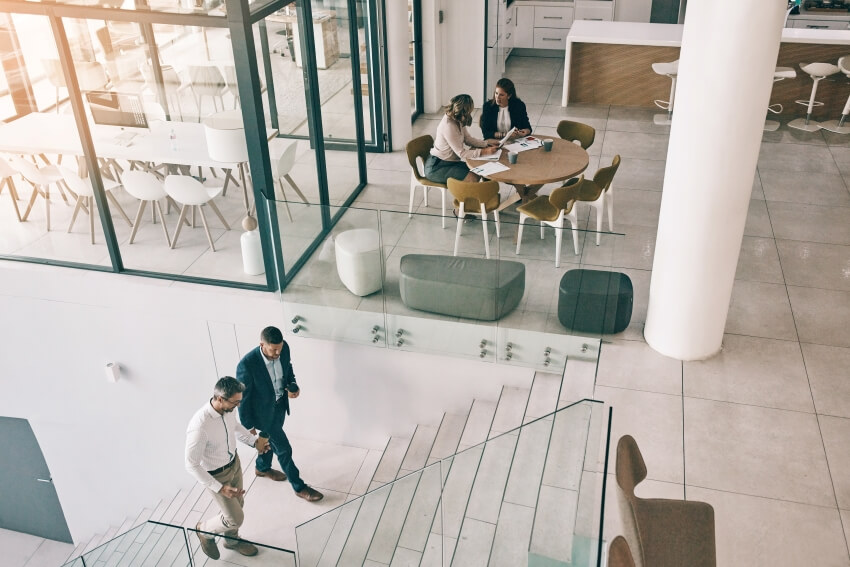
(50, 133)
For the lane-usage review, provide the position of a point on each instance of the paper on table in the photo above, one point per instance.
(527, 143)
(492, 157)
(507, 137)
(489, 169)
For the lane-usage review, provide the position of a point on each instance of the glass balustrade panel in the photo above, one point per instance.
(151, 543)
(267, 553)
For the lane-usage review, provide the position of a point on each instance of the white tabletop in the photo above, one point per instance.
(57, 134)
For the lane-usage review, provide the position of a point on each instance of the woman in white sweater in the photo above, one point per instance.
(450, 144)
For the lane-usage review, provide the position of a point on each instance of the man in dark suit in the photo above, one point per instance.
(269, 383)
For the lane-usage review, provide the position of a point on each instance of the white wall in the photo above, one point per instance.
(432, 82)
(398, 62)
(114, 449)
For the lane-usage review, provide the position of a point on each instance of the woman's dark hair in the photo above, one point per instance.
(506, 85)
(460, 109)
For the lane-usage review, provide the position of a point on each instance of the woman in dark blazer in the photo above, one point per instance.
(503, 112)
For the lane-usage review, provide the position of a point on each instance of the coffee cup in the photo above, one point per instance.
(512, 157)
(547, 145)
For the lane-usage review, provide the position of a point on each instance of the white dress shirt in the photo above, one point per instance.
(503, 122)
(211, 443)
(276, 374)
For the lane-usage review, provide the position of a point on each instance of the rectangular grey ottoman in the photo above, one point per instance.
(472, 288)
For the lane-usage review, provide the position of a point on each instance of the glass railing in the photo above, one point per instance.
(530, 496)
(391, 280)
(156, 544)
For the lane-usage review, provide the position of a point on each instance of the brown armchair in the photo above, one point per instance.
(577, 132)
(661, 532)
(474, 198)
(418, 150)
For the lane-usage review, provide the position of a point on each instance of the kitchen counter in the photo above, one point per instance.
(610, 63)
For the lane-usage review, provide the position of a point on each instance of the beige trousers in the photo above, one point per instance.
(231, 516)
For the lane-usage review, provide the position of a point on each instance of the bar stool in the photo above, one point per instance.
(671, 70)
(779, 74)
(818, 72)
(838, 126)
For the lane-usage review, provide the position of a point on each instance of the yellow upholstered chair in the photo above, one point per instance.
(661, 532)
(475, 198)
(552, 210)
(577, 132)
(598, 192)
(418, 150)
(619, 554)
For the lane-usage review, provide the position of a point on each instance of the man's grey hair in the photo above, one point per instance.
(227, 386)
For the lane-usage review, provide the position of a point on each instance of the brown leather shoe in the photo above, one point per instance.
(208, 545)
(310, 494)
(243, 547)
(272, 474)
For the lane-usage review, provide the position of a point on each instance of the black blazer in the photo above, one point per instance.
(258, 399)
(490, 113)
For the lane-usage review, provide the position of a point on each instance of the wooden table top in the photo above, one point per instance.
(536, 167)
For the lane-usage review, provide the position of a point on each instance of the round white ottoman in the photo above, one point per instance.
(358, 260)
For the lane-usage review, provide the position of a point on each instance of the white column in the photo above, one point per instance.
(398, 72)
(725, 77)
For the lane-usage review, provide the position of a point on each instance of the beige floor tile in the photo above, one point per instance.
(827, 369)
(635, 173)
(655, 421)
(752, 370)
(821, 315)
(809, 188)
(810, 264)
(758, 221)
(796, 157)
(759, 261)
(635, 144)
(760, 310)
(757, 451)
(760, 531)
(810, 223)
(636, 366)
(836, 432)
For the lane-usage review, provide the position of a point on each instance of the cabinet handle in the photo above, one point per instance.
(552, 39)
(814, 27)
(553, 17)
(593, 19)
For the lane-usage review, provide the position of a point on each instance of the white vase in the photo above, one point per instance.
(252, 253)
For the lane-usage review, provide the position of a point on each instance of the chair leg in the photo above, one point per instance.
(600, 215)
(443, 191)
(118, 207)
(542, 226)
(574, 223)
(180, 220)
(14, 195)
(295, 187)
(460, 215)
(47, 206)
(206, 227)
(138, 220)
(162, 221)
(498, 223)
(559, 236)
(217, 212)
(609, 200)
(76, 212)
(412, 195)
(522, 218)
(285, 204)
(30, 203)
(486, 234)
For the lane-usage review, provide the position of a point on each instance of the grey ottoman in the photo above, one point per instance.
(473, 288)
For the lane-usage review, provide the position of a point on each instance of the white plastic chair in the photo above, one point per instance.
(147, 188)
(41, 179)
(280, 170)
(6, 174)
(206, 80)
(82, 187)
(191, 193)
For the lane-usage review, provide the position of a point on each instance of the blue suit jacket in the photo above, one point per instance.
(258, 399)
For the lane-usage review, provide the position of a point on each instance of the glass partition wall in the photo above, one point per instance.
(146, 137)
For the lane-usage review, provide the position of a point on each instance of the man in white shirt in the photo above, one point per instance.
(212, 459)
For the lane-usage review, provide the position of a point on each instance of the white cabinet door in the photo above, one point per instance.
(553, 17)
(524, 26)
(594, 10)
(821, 24)
(550, 38)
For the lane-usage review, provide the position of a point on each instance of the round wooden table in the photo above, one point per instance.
(536, 167)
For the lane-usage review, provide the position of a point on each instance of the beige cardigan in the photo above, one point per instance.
(450, 140)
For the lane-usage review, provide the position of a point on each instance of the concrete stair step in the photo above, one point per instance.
(388, 530)
(474, 544)
(543, 399)
(488, 489)
(509, 411)
(457, 490)
(513, 534)
(477, 424)
(423, 510)
(418, 450)
(448, 436)
(391, 460)
(529, 460)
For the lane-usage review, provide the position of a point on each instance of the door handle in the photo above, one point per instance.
(47, 480)
(441, 17)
